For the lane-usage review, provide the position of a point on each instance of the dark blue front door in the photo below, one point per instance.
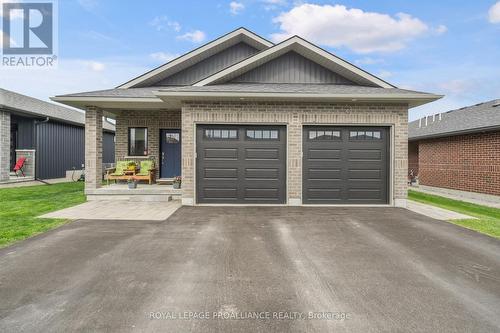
(170, 153)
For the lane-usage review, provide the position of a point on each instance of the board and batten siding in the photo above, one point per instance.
(291, 68)
(61, 147)
(210, 65)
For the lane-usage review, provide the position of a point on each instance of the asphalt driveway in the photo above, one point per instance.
(240, 269)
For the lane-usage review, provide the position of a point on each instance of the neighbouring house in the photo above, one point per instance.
(246, 121)
(50, 136)
(458, 149)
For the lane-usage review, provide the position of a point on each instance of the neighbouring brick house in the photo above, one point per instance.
(458, 149)
(246, 121)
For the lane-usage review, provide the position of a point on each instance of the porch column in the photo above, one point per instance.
(4, 145)
(93, 148)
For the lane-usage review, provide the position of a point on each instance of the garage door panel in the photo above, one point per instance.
(364, 194)
(220, 153)
(262, 154)
(324, 154)
(324, 194)
(364, 154)
(350, 168)
(324, 174)
(241, 169)
(262, 173)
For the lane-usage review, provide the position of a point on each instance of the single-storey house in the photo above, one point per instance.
(458, 149)
(50, 136)
(246, 121)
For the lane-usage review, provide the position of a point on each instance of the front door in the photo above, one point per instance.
(170, 153)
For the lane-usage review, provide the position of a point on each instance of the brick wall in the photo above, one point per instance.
(464, 162)
(413, 157)
(154, 121)
(295, 115)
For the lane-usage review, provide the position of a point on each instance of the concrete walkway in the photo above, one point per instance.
(118, 210)
(475, 198)
(435, 212)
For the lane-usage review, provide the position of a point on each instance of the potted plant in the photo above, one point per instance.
(177, 182)
(132, 166)
(132, 183)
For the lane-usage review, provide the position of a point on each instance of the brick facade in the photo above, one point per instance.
(4, 145)
(154, 120)
(93, 148)
(295, 115)
(463, 162)
(413, 157)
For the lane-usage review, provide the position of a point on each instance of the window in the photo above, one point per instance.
(262, 134)
(324, 135)
(172, 137)
(365, 135)
(137, 141)
(221, 134)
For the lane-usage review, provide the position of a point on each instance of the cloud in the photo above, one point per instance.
(338, 26)
(195, 36)
(441, 29)
(274, 4)
(94, 65)
(88, 5)
(369, 61)
(456, 86)
(163, 57)
(236, 7)
(494, 13)
(161, 23)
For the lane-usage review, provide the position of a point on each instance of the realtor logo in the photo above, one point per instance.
(28, 29)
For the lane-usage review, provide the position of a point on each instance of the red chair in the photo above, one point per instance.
(19, 167)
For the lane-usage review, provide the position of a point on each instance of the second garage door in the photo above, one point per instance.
(241, 164)
(345, 165)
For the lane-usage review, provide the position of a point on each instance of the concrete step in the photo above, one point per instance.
(131, 198)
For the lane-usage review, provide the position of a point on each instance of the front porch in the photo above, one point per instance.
(145, 135)
(143, 192)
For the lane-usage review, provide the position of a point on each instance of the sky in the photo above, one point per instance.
(443, 47)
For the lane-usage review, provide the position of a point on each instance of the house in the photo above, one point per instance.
(246, 121)
(52, 137)
(458, 149)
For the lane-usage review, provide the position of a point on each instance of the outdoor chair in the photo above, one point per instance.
(19, 167)
(118, 172)
(147, 171)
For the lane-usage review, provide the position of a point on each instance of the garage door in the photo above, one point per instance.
(345, 165)
(241, 164)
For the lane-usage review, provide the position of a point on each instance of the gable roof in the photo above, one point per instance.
(472, 119)
(307, 50)
(27, 105)
(203, 52)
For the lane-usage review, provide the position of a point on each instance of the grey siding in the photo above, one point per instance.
(61, 147)
(210, 65)
(24, 135)
(108, 147)
(291, 68)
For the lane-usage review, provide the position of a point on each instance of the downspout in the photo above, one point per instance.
(38, 122)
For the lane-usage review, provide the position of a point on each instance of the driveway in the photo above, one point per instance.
(317, 269)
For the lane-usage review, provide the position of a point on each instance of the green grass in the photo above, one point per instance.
(488, 221)
(20, 206)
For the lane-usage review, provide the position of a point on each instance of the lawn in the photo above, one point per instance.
(488, 221)
(20, 206)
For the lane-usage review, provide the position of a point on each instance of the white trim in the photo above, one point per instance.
(105, 99)
(197, 52)
(293, 43)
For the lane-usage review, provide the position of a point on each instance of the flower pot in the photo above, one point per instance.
(132, 185)
(177, 185)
